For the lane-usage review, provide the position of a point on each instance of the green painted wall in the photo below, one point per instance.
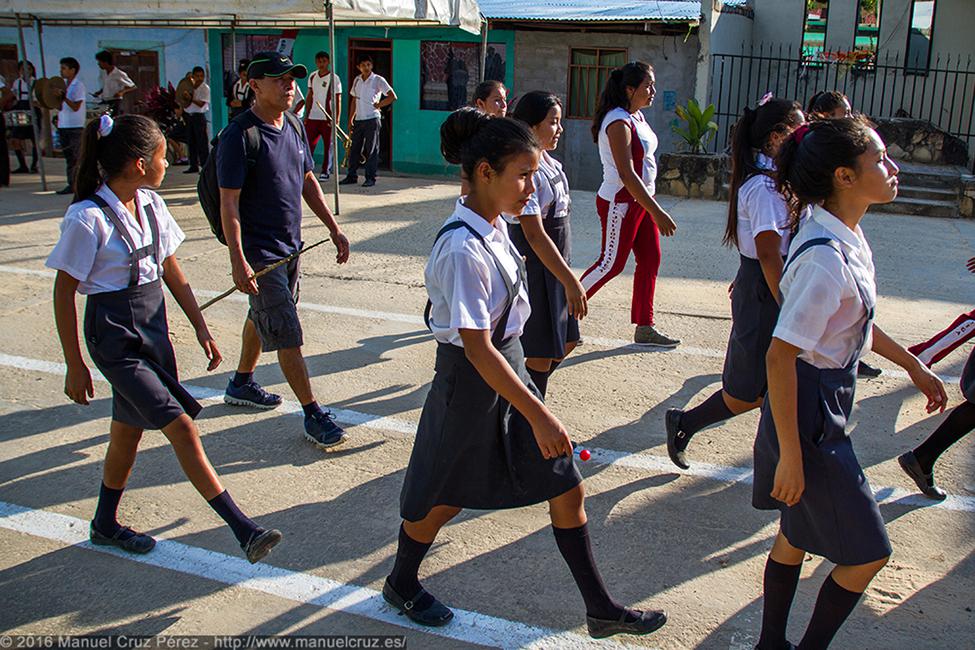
(416, 133)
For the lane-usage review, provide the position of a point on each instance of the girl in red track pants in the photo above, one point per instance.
(627, 227)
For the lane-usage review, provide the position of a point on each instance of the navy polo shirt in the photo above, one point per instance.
(270, 192)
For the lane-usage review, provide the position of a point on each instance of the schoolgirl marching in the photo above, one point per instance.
(760, 228)
(542, 234)
(805, 465)
(117, 247)
(485, 438)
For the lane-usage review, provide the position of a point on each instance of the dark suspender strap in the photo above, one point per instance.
(453, 225)
(806, 245)
(154, 231)
(135, 254)
(497, 337)
(827, 241)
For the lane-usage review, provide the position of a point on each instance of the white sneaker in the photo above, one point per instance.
(323, 176)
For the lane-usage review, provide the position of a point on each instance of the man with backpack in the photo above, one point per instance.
(264, 169)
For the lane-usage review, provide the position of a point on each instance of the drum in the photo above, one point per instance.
(17, 118)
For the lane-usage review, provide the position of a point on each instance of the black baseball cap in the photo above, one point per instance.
(272, 64)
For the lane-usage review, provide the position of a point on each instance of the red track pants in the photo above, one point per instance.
(627, 227)
(320, 129)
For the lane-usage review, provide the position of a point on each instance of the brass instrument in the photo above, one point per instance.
(346, 138)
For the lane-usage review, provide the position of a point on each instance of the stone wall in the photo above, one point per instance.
(966, 206)
(697, 176)
(920, 141)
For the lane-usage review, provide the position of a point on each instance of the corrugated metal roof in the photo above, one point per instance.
(592, 10)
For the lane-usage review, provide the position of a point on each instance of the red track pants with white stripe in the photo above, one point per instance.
(627, 227)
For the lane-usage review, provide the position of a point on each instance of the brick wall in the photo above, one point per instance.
(542, 63)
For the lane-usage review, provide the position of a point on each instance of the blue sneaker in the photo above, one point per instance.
(321, 429)
(251, 394)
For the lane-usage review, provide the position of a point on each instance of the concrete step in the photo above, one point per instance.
(915, 175)
(920, 207)
(920, 192)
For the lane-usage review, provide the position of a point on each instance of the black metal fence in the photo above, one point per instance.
(878, 86)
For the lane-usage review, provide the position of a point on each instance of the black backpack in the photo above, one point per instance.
(208, 189)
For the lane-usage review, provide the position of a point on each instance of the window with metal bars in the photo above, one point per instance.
(589, 68)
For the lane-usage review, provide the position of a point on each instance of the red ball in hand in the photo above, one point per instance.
(584, 455)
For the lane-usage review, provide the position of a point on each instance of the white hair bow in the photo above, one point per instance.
(105, 125)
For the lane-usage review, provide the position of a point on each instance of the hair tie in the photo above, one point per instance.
(800, 133)
(105, 125)
(765, 99)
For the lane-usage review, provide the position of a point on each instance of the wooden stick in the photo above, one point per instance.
(265, 270)
(342, 133)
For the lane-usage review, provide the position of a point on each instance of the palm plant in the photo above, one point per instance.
(699, 129)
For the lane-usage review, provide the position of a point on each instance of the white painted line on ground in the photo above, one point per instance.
(416, 319)
(639, 461)
(467, 626)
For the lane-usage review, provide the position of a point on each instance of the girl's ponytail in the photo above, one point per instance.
(614, 95)
(108, 145)
(749, 135)
(87, 177)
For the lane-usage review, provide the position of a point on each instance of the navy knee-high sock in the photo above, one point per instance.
(107, 510)
(959, 423)
(240, 523)
(577, 551)
(779, 590)
(404, 578)
(540, 379)
(833, 606)
(710, 411)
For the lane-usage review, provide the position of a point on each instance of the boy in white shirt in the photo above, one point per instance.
(115, 83)
(372, 93)
(71, 118)
(196, 121)
(318, 109)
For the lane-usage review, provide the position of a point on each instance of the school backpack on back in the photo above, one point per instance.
(207, 187)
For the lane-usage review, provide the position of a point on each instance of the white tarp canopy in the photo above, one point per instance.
(248, 13)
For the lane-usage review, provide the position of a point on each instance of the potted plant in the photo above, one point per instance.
(694, 173)
(699, 129)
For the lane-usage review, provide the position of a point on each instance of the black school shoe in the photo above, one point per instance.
(867, 371)
(924, 482)
(645, 623)
(436, 614)
(135, 543)
(674, 450)
(261, 543)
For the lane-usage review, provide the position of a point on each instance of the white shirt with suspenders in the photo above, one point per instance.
(92, 250)
(463, 281)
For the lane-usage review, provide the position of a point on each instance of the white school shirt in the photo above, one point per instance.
(114, 82)
(643, 158)
(67, 118)
(822, 311)
(762, 209)
(464, 284)
(550, 185)
(94, 253)
(321, 92)
(367, 92)
(299, 97)
(241, 90)
(201, 94)
(21, 89)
